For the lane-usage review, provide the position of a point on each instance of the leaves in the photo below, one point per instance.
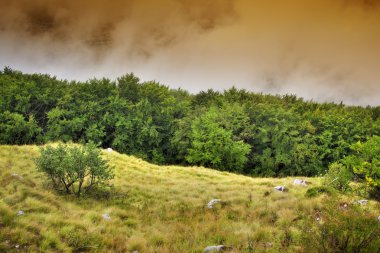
(74, 168)
(236, 130)
(214, 146)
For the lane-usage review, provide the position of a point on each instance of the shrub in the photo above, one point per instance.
(74, 169)
(338, 177)
(16, 129)
(352, 230)
(79, 239)
(316, 191)
(365, 164)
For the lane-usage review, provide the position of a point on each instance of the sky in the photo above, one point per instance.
(322, 50)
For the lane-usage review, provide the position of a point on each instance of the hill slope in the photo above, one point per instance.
(153, 209)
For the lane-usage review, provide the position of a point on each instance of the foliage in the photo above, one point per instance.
(350, 230)
(338, 177)
(14, 128)
(246, 132)
(74, 168)
(365, 163)
(317, 190)
(213, 145)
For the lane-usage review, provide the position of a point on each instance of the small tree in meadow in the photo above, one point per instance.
(74, 169)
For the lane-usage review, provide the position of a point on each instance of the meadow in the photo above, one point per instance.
(161, 209)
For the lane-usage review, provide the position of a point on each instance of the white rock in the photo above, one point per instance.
(16, 175)
(213, 202)
(17, 246)
(280, 188)
(362, 202)
(217, 248)
(20, 212)
(109, 150)
(106, 216)
(378, 218)
(300, 182)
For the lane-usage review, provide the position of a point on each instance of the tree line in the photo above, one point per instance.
(234, 130)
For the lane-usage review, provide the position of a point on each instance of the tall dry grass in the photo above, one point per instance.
(156, 209)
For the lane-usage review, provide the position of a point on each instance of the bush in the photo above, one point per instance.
(338, 177)
(74, 168)
(365, 164)
(316, 191)
(351, 230)
(15, 129)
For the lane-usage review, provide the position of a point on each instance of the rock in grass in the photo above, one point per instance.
(280, 188)
(378, 218)
(109, 150)
(106, 216)
(300, 182)
(362, 202)
(16, 176)
(20, 212)
(218, 248)
(343, 206)
(213, 202)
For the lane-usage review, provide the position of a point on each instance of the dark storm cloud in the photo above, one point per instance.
(323, 50)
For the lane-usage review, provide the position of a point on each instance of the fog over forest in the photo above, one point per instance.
(321, 50)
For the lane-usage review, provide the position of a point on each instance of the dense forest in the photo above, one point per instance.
(234, 130)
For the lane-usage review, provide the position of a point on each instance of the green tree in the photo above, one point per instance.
(213, 145)
(365, 163)
(338, 177)
(74, 168)
(15, 129)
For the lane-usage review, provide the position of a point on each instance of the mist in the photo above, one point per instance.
(321, 50)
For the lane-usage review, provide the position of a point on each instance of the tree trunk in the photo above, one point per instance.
(79, 188)
(66, 186)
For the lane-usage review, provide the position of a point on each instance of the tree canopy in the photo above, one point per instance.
(235, 130)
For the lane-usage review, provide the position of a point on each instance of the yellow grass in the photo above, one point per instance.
(152, 209)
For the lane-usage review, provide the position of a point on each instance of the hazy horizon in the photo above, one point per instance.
(319, 50)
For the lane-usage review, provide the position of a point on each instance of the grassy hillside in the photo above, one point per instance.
(164, 209)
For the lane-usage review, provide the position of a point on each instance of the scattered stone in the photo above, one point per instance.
(378, 218)
(109, 150)
(17, 246)
(362, 202)
(300, 182)
(135, 251)
(280, 188)
(213, 202)
(16, 175)
(218, 248)
(106, 216)
(20, 212)
(343, 206)
(268, 245)
(318, 216)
